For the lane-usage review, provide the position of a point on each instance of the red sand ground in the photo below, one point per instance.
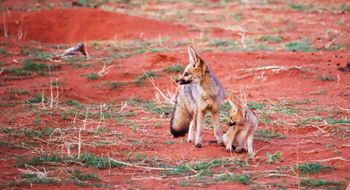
(302, 144)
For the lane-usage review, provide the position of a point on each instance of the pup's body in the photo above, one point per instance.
(200, 92)
(243, 124)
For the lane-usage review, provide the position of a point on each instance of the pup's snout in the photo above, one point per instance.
(231, 123)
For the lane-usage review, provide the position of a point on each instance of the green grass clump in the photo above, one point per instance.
(35, 178)
(114, 85)
(298, 46)
(76, 174)
(32, 66)
(175, 69)
(219, 42)
(271, 158)
(244, 179)
(255, 105)
(313, 168)
(87, 160)
(17, 71)
(337, 121)
(3, 51)
(37, 99)
(145, 75)
(271, 38)
(322, 182)
(267, 135)
(91, 76)
(301, 7)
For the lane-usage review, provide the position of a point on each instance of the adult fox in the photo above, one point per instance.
(200, 91)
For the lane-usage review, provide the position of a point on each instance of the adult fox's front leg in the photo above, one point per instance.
(216, 119)
(199, 126)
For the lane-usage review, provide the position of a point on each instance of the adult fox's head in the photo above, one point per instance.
(195, 70)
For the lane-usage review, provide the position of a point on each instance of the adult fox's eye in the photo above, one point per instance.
(186, 74)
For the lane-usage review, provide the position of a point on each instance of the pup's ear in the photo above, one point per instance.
(193, 56)
(233, 106)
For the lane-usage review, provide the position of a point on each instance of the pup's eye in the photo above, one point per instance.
(186, 74)
(230, 117)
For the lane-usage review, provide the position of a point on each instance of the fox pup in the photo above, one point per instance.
(200, 91)
(244, 123)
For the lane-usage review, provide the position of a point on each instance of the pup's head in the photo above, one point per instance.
(195, 70)
(236, 112)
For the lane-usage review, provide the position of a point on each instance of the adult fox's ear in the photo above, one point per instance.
(193, 56)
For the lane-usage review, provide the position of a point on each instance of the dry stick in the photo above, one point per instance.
(87, 111)
(161, 93)
(99, 122)
(142, 167)
(43, 99)
(329, 159)
(79, 142)
(51, 95)
(75, 118)
(4, 26)
(57, 94)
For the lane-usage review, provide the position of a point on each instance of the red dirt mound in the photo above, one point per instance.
(83, 24)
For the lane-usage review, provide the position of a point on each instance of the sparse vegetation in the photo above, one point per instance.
(276, 39)
(271, 158)
(267, 135)
(313, 168)
(91, 76)
(322, 182)
(175, 69)
(115, 85)
(298, 46)
(301, 7)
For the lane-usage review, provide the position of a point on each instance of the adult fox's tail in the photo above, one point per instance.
(180, 120)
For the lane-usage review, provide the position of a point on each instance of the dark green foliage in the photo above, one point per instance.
(313, 168)
(322, 182)
(244, 179)
(87, 159)
(255, 105)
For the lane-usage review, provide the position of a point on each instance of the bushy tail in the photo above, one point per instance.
(180, 120)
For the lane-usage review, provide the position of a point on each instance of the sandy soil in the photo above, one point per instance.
(290, 60)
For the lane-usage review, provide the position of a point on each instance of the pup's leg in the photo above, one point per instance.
(230, 136)
(250, 144)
